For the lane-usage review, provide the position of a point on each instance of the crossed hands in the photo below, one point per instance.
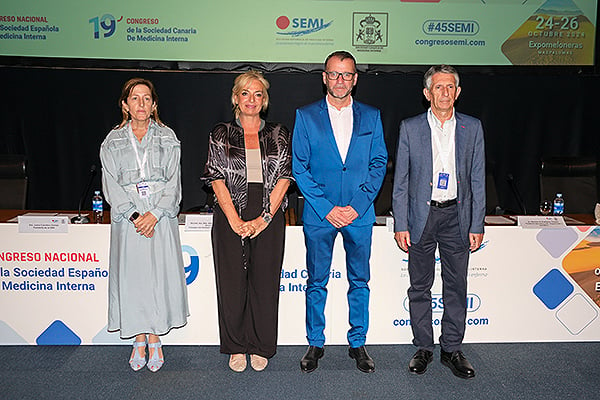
(144, 224)
(250, 228)
(340, 217)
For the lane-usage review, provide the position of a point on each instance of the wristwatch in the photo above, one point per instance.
(267, 217)
(134, 216)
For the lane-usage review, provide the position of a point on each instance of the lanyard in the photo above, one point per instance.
(141, 162)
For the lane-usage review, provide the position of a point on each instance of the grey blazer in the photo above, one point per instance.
(414, 169)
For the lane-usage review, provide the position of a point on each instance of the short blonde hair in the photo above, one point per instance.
(242, 81)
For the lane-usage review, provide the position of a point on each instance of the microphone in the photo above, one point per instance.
(84, 219)
(515, 190)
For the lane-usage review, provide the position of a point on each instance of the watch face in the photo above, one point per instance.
(267, 217)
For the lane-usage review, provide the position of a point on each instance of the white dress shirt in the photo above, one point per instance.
(342, 123)
(444, 156)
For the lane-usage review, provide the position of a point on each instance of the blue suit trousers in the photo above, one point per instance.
(319, 242)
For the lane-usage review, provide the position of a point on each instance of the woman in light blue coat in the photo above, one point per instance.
(141, 179)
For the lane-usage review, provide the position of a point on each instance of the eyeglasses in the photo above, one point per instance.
(333, 75)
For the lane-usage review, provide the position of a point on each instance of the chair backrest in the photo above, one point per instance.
(575, 178)
(383, 201)
(492, 205)
(13, 181)
(492, 202)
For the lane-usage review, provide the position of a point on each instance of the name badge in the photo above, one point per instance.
(143, 190)
(443, 181)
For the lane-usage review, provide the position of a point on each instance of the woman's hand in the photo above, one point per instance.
(144, 225)
(242, 228)
(258, 224)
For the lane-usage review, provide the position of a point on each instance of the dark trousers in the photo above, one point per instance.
(247, 281)
(441, 230)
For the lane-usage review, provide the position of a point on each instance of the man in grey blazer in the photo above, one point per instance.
(439, 202)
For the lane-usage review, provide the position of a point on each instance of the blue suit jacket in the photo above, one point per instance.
(414, 170)
(317, 165)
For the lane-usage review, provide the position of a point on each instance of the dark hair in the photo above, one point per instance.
(342, 55)
(126, 91)
(444, 69)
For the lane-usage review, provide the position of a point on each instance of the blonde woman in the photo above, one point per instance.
(249, 170)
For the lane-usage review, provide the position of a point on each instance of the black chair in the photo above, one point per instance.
(383, 201)
(574, 177)
(492, 202)
(13, 181)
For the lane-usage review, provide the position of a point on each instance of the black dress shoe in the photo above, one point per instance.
(458, 364)
(418, 364)
(310, 361)
(363, 361)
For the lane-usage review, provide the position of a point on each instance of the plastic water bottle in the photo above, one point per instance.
(97, 207)
(559, 205)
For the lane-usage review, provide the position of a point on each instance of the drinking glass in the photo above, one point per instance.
(545, 207)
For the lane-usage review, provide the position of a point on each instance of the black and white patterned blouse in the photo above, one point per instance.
(227, 159)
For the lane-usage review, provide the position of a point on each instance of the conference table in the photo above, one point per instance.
(525, 285)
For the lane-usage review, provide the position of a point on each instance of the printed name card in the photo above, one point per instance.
(198, 222)
(389, 223)
(43, 224)
(536, 222)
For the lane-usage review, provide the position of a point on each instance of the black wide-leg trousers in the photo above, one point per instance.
(248, 277)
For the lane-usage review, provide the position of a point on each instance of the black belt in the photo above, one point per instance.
(442, 204)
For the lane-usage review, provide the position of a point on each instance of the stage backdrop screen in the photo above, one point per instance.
(462, 32)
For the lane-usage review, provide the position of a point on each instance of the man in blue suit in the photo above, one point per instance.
(439, 201)
(339, 161)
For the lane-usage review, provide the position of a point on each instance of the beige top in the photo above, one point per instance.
(253, 166)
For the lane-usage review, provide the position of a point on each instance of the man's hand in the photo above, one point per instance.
(403, 240)
(341, 216)
(475, 240)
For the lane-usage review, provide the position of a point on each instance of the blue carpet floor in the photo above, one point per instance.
(503, 371)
